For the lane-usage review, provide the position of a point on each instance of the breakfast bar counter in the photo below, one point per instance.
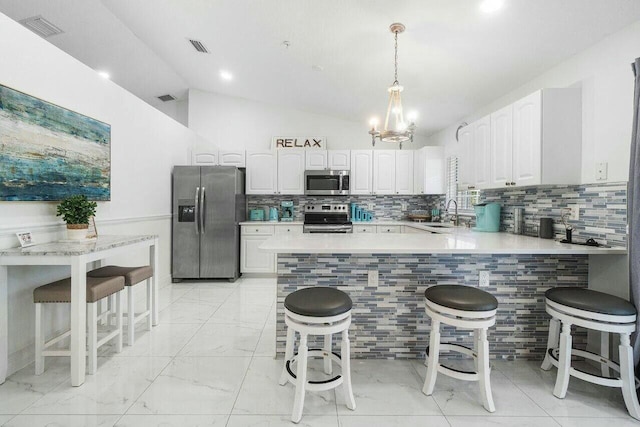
(386, 276)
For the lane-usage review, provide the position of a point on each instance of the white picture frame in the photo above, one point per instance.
(25, 238)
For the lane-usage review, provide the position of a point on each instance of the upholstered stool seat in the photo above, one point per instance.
(600, 312)
(317, 311)
(132, 276)
(60, 292)
(468, 308)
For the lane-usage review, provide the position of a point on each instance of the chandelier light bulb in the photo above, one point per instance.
(373, 122)
(412, 116)
(491, 6)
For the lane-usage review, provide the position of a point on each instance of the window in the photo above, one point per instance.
(465, 198)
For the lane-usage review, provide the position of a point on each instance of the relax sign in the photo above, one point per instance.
(278, 142)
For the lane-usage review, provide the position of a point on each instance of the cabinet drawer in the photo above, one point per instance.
(288, 230)
(389, 228)
(264, 230)
(371, 229)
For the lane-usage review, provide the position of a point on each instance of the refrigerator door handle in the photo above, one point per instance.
(195, 202)
(202, 205)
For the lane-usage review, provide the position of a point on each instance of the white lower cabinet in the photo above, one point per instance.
(370, 229)
(389, 229)
(288, 230)
(253, 259)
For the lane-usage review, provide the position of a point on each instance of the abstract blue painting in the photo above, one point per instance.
(48, 152)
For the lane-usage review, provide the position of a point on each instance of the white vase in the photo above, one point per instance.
(77, 231)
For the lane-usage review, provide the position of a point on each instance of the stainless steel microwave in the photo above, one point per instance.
(326, 182)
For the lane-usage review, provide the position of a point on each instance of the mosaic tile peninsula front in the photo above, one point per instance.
(389, 321)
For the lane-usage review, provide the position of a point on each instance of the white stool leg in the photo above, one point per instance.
(564, 362)
(148, 309)
(104, 311)
(476, 348)
(627, 377)
(92, 339)
(39, 340)
(301, 380)
(288, 354)
(112, 309)
(484, 372)
(604, 352)
(328, 368)
(434, 354)
(552, 342)
(119, 304)
(345, 358)
(131, 316)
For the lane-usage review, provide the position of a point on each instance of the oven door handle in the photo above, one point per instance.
(328, 228)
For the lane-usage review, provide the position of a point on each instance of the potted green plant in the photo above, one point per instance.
(76, 211)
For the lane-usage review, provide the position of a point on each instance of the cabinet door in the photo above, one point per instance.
(501, 147)
(315, 159)
(291, 171)
(384, 172)
(253, 259)
(339, 159)
(205, 158)
(262, 167)
(466, 166)
(232, 158)
(361, 172)
(482, 152)
(527, 142)
(404, 172)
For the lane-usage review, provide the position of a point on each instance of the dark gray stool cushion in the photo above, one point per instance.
(458, 297)
(132, 275)
(593, 301)
(318, 301)
(60, 290)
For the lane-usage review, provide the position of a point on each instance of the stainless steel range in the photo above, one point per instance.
(327, 218)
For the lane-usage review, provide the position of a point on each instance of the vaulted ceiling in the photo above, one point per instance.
(453, 58)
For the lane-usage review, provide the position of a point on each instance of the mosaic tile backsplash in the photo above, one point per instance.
(384, 207)
(389, 321)
(603, 209)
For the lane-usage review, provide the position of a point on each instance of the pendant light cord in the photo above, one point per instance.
(396, 59)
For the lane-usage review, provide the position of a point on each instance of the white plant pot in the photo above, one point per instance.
(77, 233)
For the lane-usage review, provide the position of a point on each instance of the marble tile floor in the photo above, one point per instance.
(210, 363)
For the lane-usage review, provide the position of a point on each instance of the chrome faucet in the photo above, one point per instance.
(455, 218)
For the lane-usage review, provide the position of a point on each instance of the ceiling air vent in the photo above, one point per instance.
(197, 45)
(41, 26)
(167, 97)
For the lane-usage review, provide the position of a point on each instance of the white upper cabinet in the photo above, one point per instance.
(262, 169)
(315, 159)
(291, 171)
(205, 158)
(527, 142)
(501, 147)
(466, 165)
(361, 172)
(429, 170)
(232, 158)
(482, 152)
(384, 172)
(339, 159)
(404, 172)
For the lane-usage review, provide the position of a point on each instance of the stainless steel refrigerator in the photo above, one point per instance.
(208, 205)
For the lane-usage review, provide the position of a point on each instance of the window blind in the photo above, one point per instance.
(465, 198)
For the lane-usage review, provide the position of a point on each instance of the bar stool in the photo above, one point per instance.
(463, 307)
(132, 276)
(60, 292)
(317, 311)
(600, 312)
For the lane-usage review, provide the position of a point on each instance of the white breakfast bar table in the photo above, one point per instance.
(77, 256)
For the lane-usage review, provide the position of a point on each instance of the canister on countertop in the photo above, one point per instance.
(546, 228)
(518, 221)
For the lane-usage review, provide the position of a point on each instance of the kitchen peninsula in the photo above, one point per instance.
(386, 276)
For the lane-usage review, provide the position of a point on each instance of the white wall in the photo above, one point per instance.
(145, 144)
(604, 73)
(231, 122)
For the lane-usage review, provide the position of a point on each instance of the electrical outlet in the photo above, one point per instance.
(573, 212)
(373, 278)
(485, 278)
(404, 206)
(601, 171)
(370, 206)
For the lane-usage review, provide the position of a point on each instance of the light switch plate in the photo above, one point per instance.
(601, 171)
(373, 278)
(370, 206)
(404, 206)
(575, 212)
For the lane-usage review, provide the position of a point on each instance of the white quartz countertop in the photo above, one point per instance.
(300, 223)
(459, 240)
(73, 248)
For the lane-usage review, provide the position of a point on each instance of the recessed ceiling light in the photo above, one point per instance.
(226, 75)
(104, 74)
(491, 6)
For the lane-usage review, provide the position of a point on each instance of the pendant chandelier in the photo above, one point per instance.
(396, 129)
